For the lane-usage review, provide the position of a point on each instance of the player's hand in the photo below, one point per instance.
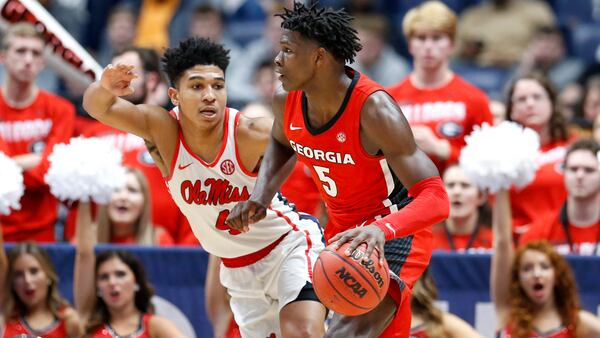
(370, 235)
(244, 214)
(117, 79)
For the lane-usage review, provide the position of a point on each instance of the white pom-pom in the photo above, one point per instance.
(498, 157)
(11, 185)
(85, 169)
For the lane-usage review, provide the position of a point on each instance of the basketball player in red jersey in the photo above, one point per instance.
(356, 141)
(213, 154)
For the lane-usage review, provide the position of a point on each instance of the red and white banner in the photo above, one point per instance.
(63, 53)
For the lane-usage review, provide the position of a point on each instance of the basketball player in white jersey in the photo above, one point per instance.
(212, 155)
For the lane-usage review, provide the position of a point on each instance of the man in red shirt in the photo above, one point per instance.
(576, 228)
(32, 121)
(359, 147)
(440, 106)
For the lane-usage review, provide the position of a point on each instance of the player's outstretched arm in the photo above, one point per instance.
(101, 100)
(84, 284)
(502, 256)
(385, 129)
(277, 164)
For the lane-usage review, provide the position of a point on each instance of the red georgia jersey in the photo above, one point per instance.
(356, 186)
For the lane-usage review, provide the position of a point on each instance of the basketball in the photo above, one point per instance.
(347, 284)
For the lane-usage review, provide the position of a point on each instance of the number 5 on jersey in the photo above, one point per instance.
(328, 183)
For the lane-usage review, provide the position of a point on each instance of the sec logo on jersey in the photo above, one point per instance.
(227, 167)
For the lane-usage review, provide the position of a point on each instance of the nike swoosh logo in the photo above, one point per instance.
(292, 127)
(181, 167)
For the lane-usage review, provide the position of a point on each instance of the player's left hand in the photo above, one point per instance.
(371, 235)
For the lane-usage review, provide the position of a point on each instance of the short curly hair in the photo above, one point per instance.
(191, 52)
(329, 28)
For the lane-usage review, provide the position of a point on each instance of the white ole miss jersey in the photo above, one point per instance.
(206, 192)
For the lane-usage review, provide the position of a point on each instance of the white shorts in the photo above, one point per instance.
(259, 291)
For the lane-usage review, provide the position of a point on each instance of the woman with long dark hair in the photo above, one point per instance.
(111, 291)
(532, 103)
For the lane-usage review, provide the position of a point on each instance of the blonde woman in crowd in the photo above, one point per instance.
(126, 219)
(31, 304)
(430, 322)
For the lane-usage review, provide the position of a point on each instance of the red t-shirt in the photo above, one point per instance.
(584, 239)
(20, 328)
(545, 194)
(450, 111)
(165, 212)
(105, 331)
(479, 241)
(48, 120)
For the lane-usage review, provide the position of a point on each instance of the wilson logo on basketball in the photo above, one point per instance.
(212, 192)
(227, 167)
(369, 265)
(351, 282)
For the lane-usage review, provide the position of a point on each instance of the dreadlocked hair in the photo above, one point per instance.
(192, 52)
(329, 28)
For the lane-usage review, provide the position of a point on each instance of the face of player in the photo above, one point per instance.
(126, 204)
(30, 281)
(116, 283)
(430, 49)
(23, 58)
(531, 105)
(536, 275)
(463, 194)
(296, 61)
(133, 59)
(582, 174)
(201, 95)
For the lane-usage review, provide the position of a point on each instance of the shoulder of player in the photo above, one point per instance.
(253, 129)
(379, 105)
